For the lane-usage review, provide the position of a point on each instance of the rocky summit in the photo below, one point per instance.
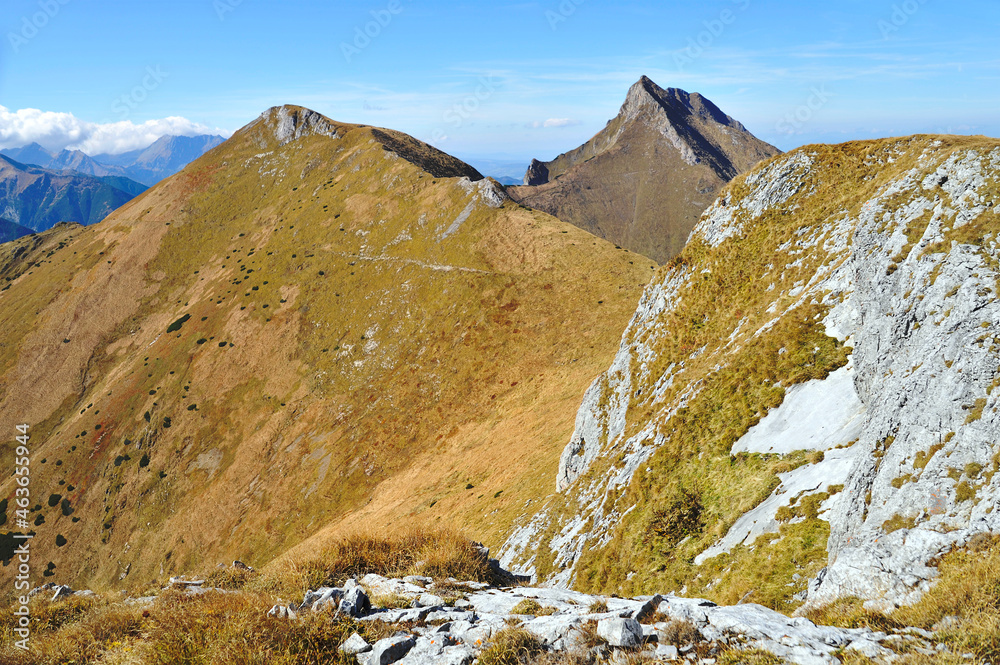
(643, 181)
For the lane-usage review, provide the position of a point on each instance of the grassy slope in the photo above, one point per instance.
(339, 354)
(693, 473)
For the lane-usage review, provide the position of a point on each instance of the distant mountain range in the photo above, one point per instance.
(165, 157)
(643, 181)
(12, 231)
(34, 199)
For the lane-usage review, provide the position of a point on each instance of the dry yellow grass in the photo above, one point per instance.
(233, 628)
(966, 596)
(344, 364)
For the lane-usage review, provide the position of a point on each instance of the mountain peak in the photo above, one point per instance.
(664, 140)
(291, 122)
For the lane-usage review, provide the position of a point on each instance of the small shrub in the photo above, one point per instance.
(511, 646)
(972, 470)
(748, 657)
(923, 458)
(391, 601)
(532, 606)
(681, 517)
(681, 634)
(598, 607)
(897, 522)
(176, 325)
(964, 492)
(231, 578)
(850, 613)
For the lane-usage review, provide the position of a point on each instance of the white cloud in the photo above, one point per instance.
(57, 131)
(554, 123)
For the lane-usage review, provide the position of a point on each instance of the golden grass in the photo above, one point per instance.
(511, 646)
(440, 554)
(968, 591)
(303, 289)
(218, 627)
(533, 607)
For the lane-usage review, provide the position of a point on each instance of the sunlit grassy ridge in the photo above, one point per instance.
(737, 333)
(352, 340)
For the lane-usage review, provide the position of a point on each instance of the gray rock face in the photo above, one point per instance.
(390, 650)
(538, 173)
(909, 427)
(290, 123)
(620, 632)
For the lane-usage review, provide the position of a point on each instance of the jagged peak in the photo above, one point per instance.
(646, 92)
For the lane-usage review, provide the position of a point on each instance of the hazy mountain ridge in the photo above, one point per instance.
(643, 181)
(12, 231)
(165, 157)
(38, 199)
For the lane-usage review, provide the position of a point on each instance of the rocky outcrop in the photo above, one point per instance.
(902, 269)
(293, 122)
(538, 173)
(668, 627)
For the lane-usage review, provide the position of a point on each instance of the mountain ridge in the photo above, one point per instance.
(678, 475)
(38, 199)
(303, 317)
(164, 157)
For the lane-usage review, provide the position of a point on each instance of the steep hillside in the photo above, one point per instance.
(643, 181)
(806, 393)
(312, 326)
(38, 199)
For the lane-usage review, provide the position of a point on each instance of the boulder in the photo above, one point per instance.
(61, 591)
(620, 632)
(391, 649)
(355, 603)
(354, 645)
(281, 612)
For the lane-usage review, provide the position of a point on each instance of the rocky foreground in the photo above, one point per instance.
(453, 623)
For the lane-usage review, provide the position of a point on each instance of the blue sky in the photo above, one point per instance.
(504, 80)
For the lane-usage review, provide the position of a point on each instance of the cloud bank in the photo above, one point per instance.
(58, 131)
